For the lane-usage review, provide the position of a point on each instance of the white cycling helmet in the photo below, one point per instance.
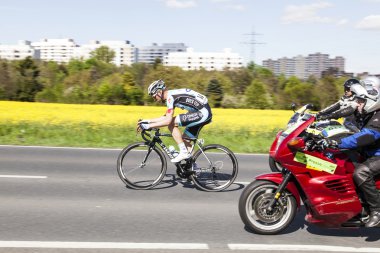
(372, 102)
(155, 87)
(372, 84)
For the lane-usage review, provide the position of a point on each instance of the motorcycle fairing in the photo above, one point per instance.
(315, 163)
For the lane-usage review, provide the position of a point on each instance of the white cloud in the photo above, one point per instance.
(228, 5)
(371, 22)
(236, 7)
(373, 1)
(342, 22)
(305, 13)
(220, 1)
(180, 4)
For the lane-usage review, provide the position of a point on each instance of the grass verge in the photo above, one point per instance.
(86, 135)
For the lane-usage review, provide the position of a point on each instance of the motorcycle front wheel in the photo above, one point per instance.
(253, 210)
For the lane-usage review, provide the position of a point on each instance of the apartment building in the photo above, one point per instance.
(149, 54)
(58, 50)
(191, 60)
(125, 52)
(303, 67)
(20, 51)
(171, 54)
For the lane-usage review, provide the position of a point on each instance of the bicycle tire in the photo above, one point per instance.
(136, 174)
(211, 177)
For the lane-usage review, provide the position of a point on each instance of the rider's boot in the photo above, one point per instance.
(374, 219)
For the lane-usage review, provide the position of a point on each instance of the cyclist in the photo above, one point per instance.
(198, 115)
(369, 140)
(345, 107)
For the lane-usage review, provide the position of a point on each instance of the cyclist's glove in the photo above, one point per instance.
(142, 126)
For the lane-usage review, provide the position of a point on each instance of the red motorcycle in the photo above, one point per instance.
(321, 178)
(294, 122)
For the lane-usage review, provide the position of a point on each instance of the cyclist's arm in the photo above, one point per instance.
(164, 120)
(157, 119)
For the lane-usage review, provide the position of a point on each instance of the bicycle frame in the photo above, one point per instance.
(182, 168)
(156, 139)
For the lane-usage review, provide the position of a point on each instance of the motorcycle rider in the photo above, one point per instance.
(372, 85)
(345, 107)
(369, 139)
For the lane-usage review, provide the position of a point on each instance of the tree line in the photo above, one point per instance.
(98, 81)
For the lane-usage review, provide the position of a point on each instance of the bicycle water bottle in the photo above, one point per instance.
(173, 151)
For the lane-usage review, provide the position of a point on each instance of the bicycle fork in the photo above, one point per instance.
(143, 163)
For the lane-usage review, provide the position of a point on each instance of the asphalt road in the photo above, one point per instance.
(71, 200)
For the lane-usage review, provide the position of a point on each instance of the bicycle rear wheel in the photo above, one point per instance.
(140, 166)
(217, 168)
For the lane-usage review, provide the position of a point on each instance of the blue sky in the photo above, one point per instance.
(288, 28)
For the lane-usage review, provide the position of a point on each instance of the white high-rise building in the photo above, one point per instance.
(191, 60)
(149, 54)
(58, 50)
(125, 53)
(20, 51)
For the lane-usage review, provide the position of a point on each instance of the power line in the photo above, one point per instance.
(253, 42)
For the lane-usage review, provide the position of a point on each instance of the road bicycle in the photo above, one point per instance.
(143, 165)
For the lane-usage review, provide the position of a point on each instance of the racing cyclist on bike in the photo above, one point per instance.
(198, 115)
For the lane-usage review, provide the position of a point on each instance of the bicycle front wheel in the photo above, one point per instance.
(140, 166)
(216, 168)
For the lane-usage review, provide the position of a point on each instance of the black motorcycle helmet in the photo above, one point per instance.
(348, 83)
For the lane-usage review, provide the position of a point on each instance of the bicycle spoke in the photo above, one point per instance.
(218, 168)
(141, 167)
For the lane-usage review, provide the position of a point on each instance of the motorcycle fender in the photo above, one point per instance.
(277, 179)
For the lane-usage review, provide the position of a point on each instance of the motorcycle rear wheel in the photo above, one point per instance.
(252, 208)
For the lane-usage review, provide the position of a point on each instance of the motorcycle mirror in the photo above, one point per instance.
(296, 143)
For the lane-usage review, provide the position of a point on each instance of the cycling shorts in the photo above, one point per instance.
(194, 121)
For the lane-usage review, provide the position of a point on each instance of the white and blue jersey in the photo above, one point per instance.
(199, 111)
(186, 99)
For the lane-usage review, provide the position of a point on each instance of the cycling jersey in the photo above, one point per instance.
(197, 104)
(186, 99)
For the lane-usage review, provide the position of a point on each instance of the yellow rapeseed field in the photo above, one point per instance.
(120, 116)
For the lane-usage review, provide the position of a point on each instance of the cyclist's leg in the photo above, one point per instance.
(177, 136)
(189, 120)
(193, 128)
(176, 133)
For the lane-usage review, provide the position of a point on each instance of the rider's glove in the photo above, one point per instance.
(328, 143)
(321, 117)
(142, 126)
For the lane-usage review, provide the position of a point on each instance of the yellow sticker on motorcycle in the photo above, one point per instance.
(315, 163)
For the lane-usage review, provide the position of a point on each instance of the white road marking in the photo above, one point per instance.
(102, 245)
(245, 183)
(290, 247)
(22, 176)
(181, 246)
